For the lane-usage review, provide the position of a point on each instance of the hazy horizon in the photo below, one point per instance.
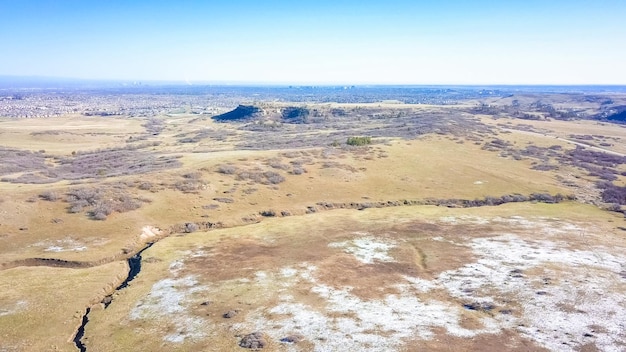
(61, 82)
(318, 43)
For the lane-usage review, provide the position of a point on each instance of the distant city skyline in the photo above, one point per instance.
(318, 42)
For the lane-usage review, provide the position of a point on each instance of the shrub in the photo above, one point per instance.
(90, 164)
(88, 196)
(359, 141)
(75, 208)
(612, 193)
(297, 170)
(277, 164)
(49, 196)
(126, 203)
(268, 213)
(223, 200)
(191, 227)
(98, 215)
(496, 144)
(16, 160)
(614, 207)
(101, 211)
(544, 167)
(227, 169)
(188, 185)
(145, 186)
(153, 126)
(273, 177)
(543, 197)
(101, 203)
(193, 175)
(249, 190)
(582, 155)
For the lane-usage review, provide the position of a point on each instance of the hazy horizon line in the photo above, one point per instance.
(192, 82)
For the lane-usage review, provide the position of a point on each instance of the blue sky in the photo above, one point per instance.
(318, 42)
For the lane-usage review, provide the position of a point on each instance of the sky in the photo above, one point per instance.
(317, 42)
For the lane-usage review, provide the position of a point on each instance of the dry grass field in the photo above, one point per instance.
(450, 231)
(410, 278)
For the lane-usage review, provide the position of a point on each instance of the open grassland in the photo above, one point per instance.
(222, 188)
(608, 136)
(446, 230)
(63, 135)
(38, 305)
(382, 279)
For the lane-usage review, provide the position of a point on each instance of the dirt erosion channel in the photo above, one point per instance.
(134, 267)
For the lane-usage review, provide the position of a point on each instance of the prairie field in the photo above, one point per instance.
(303, 226)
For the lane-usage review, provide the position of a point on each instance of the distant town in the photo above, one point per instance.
(147, 101)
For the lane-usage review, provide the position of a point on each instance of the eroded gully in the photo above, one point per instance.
(134, 267)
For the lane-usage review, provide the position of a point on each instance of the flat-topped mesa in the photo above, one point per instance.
(619, 116)
(240, 113)
(248, 113)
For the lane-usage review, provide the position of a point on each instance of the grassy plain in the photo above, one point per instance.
(310, 276)
(253, 227)
(38, 306)
(63, 135)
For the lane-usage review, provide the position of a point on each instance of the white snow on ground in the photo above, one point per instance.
(357, 324)
(13, 308)
(176, 266)
(559, 297)
(562, 330)
(367, 249)
(379, 324)
(168, 301)
(288, 272)
(418, 284)
(582, 282)
(64, 249)
(464, 219)
(69, 244)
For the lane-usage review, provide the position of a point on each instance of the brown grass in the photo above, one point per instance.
(45, 305)
(226, 256)
(432, 166)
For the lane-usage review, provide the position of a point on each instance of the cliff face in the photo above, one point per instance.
(620, 117)
(241, 113)
(295, 115)
(246, 113)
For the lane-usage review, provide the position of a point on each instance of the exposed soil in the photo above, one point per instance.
(460, 283)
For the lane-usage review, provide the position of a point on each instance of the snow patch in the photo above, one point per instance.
(571, 297)
(367, 249)
(13, 308)
(467, 219)
(365, 325)
(176, 266)
(288, 272)
(168, 300)
(581, 282)
(69, 244)
(574, 300)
